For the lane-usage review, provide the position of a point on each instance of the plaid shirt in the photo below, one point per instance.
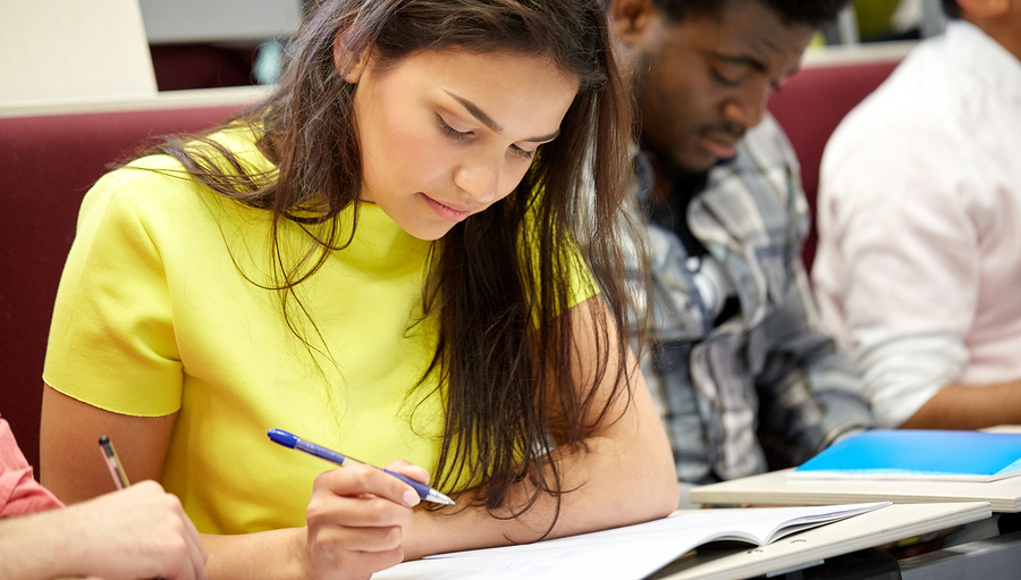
(765, 382)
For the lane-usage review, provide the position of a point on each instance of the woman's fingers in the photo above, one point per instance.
(360, 539)
(362, 479)
(356, 520)
(409, 469)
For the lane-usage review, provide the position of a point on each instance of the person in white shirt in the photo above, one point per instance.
(918, 270)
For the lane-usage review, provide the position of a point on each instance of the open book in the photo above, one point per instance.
(911, 454)
(626, 553)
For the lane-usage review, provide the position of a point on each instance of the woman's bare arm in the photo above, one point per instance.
(626, 474)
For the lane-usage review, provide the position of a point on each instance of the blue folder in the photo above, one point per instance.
(919, 454)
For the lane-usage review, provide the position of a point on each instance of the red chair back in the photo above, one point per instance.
(47, 163)
(811, 105)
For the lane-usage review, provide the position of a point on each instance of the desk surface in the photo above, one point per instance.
(776, 489)
(882, 526)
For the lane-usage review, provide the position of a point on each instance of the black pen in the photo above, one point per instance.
(120, 479)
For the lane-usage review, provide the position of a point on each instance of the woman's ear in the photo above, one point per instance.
(345, 62)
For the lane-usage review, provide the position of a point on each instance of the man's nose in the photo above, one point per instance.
(748, 107)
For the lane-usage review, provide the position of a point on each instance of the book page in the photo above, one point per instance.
(630, 552)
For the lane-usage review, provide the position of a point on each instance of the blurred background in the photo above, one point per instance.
(52, 50)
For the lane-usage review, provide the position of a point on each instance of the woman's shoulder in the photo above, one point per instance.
(231, 150)
(160, 182)
(156, 197)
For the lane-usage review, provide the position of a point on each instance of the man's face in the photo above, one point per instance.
(702, 82)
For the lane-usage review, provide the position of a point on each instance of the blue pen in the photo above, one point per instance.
(294, 442)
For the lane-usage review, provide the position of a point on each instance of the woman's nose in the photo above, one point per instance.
(480, 178)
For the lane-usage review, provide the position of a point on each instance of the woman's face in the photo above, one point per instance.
(445, 134)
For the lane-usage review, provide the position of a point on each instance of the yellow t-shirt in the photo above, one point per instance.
(160, 311)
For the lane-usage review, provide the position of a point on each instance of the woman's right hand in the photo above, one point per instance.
(356, 520)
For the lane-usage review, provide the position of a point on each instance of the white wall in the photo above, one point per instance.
(218, 20)
(55, 50)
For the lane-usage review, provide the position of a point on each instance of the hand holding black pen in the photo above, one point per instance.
(135, 532)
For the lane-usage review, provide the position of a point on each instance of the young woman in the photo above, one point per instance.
(381, 259)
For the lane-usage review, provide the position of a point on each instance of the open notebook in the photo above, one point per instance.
(626, 553)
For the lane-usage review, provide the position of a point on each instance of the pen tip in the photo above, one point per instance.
(437, 497)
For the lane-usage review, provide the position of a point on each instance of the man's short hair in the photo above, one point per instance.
(951, 8)
(810, 12)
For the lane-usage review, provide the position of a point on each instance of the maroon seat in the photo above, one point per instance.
(47, 163)
(202, 66)
(810, 106)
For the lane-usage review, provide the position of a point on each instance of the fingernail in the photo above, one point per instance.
(411, 498)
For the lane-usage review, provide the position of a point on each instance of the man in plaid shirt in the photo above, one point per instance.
(743, 378)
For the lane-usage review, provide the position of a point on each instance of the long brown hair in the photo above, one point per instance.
(504, 355)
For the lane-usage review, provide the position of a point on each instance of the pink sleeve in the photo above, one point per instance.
(20, 493)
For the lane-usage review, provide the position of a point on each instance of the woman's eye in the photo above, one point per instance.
(451, 131)
(518, 151)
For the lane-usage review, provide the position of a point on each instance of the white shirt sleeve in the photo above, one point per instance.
(898, 267)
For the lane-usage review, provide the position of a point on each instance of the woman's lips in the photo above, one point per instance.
(445, 211)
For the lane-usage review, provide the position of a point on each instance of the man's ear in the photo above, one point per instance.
(630, 19)
(345, 62)
(983, 9)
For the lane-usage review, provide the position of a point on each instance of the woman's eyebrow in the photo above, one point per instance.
(488, 121)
